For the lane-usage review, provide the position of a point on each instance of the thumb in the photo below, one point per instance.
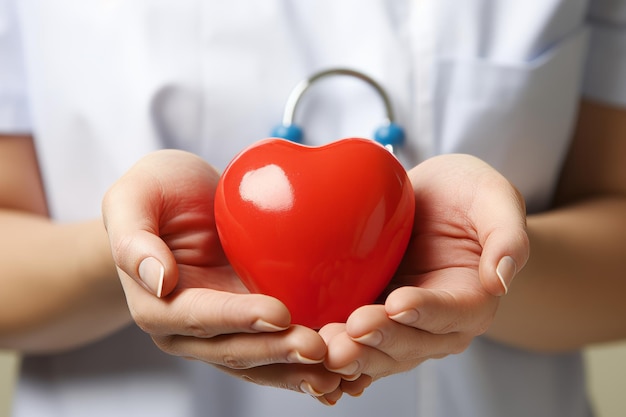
(504, 254)
(143, 256)
(505, 244)
(131, 218)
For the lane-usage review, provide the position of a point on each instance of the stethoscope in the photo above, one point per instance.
(389, 134)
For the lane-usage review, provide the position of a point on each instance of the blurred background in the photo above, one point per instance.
(8, 372)
(606, 366)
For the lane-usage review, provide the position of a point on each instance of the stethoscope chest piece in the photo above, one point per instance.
(389, 134)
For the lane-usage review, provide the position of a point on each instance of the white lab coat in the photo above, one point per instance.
(103, 82)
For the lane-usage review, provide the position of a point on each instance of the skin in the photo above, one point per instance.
(72, 294)
(58, 280)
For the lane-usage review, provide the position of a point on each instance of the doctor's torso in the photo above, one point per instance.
(111, 79)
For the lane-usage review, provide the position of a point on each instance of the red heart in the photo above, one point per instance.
(322, 229)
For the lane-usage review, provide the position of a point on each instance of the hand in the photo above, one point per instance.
(469, 240)
(181, 290)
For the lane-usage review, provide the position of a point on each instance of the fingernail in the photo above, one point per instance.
(506, 271)
(372, 339)
(324, 401)
(296, 357)
(263, 326)
(349, 369)
(351, 378)
(308, 388)
(356, 394)
(332, 398)
(406, 317)
(151, 272)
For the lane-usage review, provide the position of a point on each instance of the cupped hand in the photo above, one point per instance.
(181, 290)
(468, 242)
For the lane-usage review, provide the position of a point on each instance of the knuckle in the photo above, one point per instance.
(412, 352)
(142, 320)
(484, 324)
(197, 328)
(482, 328)
(193, 321)
(236, 362)
(461, 345)
(122, 247)
(167, 344)
(447, 327)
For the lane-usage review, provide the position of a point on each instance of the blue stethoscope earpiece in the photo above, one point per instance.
(290, 132)
(390, 134)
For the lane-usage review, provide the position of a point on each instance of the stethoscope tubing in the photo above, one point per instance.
(298, 92)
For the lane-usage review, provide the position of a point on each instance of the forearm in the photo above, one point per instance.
(570, 293)
(59, 285)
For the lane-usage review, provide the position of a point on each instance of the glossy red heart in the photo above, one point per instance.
(322, 229)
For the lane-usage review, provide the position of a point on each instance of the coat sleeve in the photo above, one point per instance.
(14, 113)
(605, 72)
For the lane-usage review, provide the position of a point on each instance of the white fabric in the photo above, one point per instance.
(109, 81)
(604, 78)
(14, 114)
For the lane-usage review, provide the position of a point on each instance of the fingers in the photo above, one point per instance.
(415, 324)
(351, 384)
(441, 311)
(377, 346)
(232, 330)
(202, 312)
(353, 359)
(371, 326)
(357, 387)
(288, 359)
(314, 380)
(296, 345)
(353, 388)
